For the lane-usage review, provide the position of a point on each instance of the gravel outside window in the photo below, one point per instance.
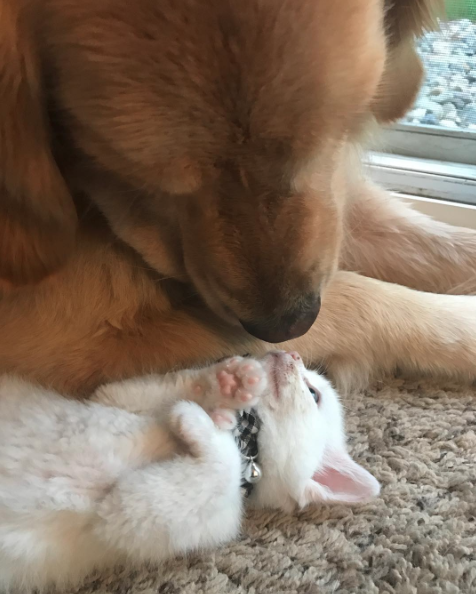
(448, 96)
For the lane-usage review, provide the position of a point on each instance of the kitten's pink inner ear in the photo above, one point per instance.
(342, 479)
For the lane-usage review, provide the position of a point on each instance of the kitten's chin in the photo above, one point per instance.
(284, 372)
(268, 494)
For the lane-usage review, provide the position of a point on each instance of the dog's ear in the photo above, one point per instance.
(404, 21)
(37, 215)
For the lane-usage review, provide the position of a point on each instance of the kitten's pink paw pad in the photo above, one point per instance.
(241, 381)
(227, 382)
(224, 419)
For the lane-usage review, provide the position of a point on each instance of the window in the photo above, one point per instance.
(432, 152)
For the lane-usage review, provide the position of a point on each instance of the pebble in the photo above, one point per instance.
(418, 113)
(448, 123)
(448, 96)
(443, 97)
(468, 114)
(449, 112)
(464, 97)
(428, 120)
(430, 107)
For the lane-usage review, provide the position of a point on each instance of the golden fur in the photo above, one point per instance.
(169, 168)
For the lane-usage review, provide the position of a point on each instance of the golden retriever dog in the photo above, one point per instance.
(180, 180)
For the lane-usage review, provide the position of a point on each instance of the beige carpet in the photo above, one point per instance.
(419, 537)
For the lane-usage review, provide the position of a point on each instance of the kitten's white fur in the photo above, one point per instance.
(143, 473)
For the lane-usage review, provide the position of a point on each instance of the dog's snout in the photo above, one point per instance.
(291, 324)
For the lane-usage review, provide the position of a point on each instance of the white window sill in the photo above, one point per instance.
(444, 180)
(460, 215)
(444, 190)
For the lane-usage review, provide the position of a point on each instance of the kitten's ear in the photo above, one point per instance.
(37, 214)
(340, 480)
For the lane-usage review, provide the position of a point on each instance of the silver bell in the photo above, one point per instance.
(253, 473)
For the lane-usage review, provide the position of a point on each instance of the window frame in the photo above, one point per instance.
(440, 180)
(430, 142)
(426, 161)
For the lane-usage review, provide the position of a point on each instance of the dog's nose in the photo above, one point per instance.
(290, 325)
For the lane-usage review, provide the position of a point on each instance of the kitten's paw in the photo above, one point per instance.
(224, 418)
(241, 382)
(192, 425)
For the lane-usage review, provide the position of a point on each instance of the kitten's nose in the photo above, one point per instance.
(290, 325)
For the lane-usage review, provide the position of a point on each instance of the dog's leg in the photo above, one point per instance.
(364, 326)
(387, 239)
(368, 326)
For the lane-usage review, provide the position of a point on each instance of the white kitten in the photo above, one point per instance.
(150, 469)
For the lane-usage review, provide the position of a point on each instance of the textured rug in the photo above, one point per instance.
(419, 537)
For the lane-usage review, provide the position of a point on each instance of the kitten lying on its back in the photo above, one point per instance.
(150, 469)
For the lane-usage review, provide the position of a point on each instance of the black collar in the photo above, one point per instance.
(246, 437)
